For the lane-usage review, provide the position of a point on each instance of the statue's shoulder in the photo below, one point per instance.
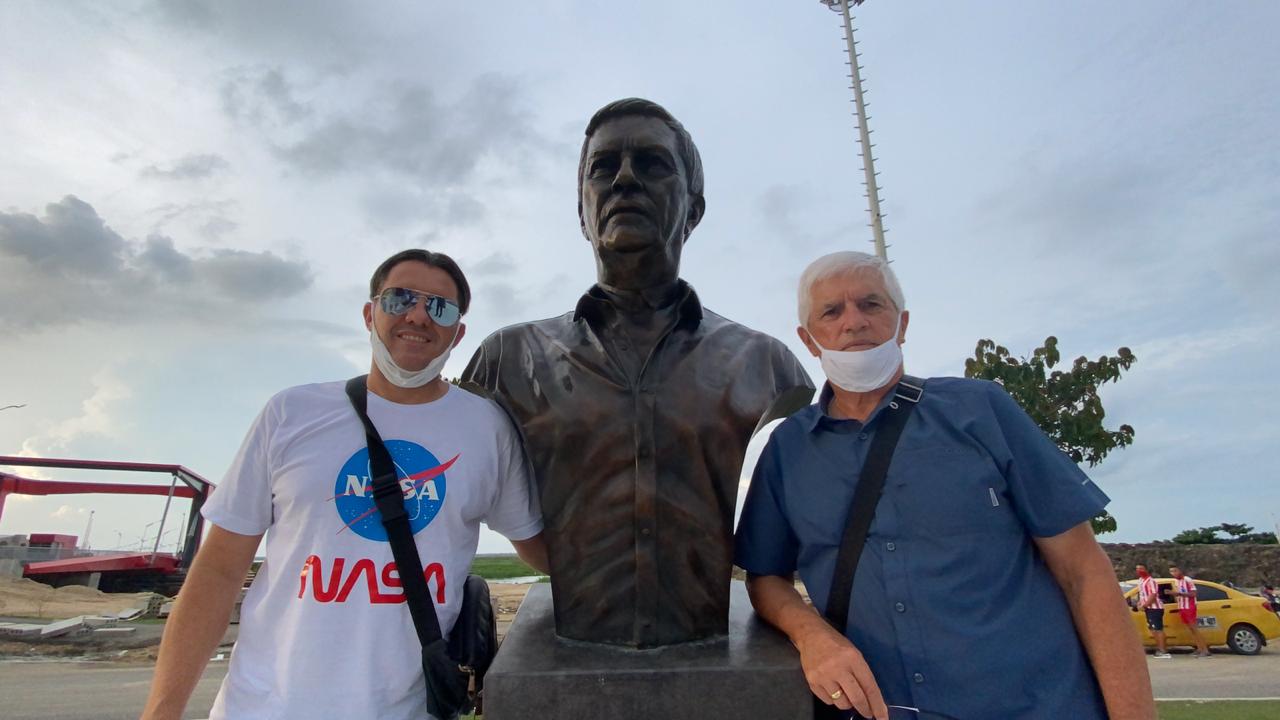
(752, 339)
(531, 330)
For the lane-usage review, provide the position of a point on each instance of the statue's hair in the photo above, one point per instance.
(645, 108)
(845, 261)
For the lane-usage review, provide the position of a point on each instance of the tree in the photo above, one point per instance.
(1237, 533)
(1064, 403)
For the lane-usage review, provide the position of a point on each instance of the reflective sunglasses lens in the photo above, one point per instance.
(397, 301)
(443, 311)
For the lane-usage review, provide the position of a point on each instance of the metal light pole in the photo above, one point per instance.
(864, 133)
(84, 544)
(142, 539)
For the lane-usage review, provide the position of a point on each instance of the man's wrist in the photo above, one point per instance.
(814, 629)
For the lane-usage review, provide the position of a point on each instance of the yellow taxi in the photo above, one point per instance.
(1224, 616)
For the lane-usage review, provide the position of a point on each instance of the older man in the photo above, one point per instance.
(637, 406)
(980, 591)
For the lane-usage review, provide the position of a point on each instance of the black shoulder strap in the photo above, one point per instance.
(389, 497)
(870, 484)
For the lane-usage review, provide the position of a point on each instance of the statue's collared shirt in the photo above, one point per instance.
(637, 458)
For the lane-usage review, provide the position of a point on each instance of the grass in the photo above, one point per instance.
(498, 567)
(1219, 710)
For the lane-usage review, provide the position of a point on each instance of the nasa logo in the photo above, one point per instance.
(421, 478)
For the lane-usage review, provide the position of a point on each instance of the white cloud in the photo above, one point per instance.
(95, 418)
(70, 267)
(1176, 352)
(67, 512)
(195, 166)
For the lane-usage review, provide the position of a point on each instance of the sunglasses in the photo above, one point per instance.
(398, 301)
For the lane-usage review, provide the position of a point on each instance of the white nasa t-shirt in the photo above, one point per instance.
(324, 630)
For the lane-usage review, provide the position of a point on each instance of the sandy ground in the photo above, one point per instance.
(506, 600)
(22, 599)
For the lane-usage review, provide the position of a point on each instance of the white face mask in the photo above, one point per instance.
(397, 375)
(863, 370)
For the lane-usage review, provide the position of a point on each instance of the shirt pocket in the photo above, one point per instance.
(819, 506)
(949, 491)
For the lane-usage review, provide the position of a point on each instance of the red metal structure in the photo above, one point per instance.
(193, 486)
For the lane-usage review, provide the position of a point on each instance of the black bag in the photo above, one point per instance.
(865, 498)
(454, 672)
(474, 640)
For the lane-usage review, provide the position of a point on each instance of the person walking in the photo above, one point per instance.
(1185, 590)
(1149, 602)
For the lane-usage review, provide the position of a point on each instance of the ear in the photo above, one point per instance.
(808, 341)
(902, 331)
(697, 207)
(368, 316)
(462, 330)
(582, 218)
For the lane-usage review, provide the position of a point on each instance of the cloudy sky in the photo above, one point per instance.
(192, 196)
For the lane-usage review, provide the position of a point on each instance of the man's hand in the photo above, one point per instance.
(835, 670)
(838, 674)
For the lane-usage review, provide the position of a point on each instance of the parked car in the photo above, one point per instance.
(1225, 616)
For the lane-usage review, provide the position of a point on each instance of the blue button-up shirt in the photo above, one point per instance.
(953, 607)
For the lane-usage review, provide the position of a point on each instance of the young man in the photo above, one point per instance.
(1184, 588)
(324, 629)
(980, 540)
(1149, 602)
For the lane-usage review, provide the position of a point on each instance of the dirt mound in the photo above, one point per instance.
(78, 591)
(20, 597)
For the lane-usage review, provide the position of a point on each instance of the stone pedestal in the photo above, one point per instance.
(752, 673)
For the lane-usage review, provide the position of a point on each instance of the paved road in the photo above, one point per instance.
(108, 691)
(90, 691)
(1226, 675)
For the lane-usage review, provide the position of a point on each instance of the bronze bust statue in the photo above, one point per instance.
(636, 407)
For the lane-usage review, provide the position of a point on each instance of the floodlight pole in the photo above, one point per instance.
(864, 133)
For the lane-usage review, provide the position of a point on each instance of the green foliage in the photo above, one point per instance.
(500, 567)
(1199, 536)
(1064, 403)
(1236, 533)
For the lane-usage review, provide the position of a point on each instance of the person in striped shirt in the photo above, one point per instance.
(1185, 590)
(1149, 602)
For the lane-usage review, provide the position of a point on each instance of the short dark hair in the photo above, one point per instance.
(645, 108)
(426, 257)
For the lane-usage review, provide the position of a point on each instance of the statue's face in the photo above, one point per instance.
(635, 196)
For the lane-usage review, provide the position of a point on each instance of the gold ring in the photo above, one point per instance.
(837, 695)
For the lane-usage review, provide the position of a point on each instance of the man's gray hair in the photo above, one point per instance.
(838, 263)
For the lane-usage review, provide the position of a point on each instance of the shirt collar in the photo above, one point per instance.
(594, 305)
(823, 417)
